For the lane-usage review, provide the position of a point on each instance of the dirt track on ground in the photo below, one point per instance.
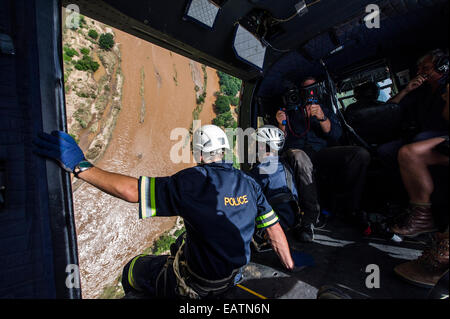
(158, 95)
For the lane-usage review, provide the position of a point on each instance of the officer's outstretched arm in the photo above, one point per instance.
(62, 148)
(280, 245)
(117, 185)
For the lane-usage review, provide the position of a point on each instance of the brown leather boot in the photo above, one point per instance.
(428, 268)
(419, 221)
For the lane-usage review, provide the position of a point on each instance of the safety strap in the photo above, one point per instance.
(193, 286)
(182, 289)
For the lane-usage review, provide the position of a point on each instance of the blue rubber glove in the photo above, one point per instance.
(61, 147)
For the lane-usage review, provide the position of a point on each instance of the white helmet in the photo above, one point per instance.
(209, 138)
(271, 135)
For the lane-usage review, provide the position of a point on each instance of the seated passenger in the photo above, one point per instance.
(414, 160)
(277, 182)
(423, 105)
(312, 135)
(366, 95)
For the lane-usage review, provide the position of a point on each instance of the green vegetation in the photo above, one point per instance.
(225, 120)
(201, 98)
(229, 88)
(77, 140)
(86, 64)
(222, 104)
(162, 244)
(229, 85)
(101, 103)
(234, 100)
(106, 41)
(93, 34)
(83, 115)
(69, 52)
(66, 58)
(82, 21)
(85, 51)
(113, 291)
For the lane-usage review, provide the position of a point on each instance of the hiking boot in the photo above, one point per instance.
(419, 221)
(429, 267)
(304, 233)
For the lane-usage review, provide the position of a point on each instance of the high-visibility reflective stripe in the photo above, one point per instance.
(147, 202)
(266, 220)
(152, 197)
(265, 216)
(130, 272)
(143, 201)
(275, 220)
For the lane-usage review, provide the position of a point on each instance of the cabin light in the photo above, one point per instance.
(249, 48)
(301, 8)
(203, 11)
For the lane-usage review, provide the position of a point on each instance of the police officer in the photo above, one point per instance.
(276, 180)
(219, 204)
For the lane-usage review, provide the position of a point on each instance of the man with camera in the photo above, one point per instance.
(312, 149)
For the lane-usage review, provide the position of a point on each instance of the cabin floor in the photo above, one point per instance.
(341, 255)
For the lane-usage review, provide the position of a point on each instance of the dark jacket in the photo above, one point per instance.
(299, 136)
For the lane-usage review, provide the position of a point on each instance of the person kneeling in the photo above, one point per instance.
(278, 184)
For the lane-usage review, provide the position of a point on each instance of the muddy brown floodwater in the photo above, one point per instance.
(158, 95)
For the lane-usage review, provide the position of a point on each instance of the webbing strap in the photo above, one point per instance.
(187, 280)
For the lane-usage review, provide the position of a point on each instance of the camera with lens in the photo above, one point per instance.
(295, 98)
(312, 94)
(291, 99)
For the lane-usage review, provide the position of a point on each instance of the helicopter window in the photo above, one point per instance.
(124, 99)
(387, 90)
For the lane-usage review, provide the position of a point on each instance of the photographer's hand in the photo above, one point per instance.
(281, 118)
(317, 112)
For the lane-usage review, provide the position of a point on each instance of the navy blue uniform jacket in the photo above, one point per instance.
(220, 205)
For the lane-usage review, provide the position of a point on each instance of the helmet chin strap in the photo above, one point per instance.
(214, 156)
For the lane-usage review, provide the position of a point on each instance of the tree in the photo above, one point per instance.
(225, 120)
(84, 51)
(70, 52)
(93, 34)
(222, 104)
(234, 100)
(229, 85)
(106, 41)
(86, 64)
